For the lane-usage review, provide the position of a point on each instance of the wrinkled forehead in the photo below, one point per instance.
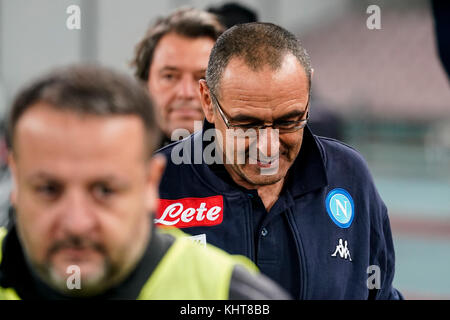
(239, 73)
(266, 87)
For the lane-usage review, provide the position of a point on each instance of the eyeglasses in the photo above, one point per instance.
(282, 126)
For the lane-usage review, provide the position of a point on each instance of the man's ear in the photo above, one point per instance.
(205, 99)
(312, 73)
(156, 168)
(13, 169)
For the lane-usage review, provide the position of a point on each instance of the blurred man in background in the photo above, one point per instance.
(171, 59)
(232, 13)
(441, 12)
(85, 191)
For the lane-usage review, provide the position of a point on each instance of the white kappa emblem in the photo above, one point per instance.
(343, 251)
(200, 239)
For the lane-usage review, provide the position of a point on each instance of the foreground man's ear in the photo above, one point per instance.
(206, 101)
(13, 169)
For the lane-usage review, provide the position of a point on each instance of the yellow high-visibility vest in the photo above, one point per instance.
(188, 271)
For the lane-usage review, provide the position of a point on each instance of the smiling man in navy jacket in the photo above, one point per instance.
(257, 182)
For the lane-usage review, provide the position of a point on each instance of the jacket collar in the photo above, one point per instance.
(308, 172)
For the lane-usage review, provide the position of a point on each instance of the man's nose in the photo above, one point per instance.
(269, 142)
(188, 88)
(77, 216)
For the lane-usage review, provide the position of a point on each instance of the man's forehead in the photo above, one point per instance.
(45, 129)
(178, 50)
(41, 174)
(286, 84)
(289, 76)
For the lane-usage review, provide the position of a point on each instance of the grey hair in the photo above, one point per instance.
(258, 44)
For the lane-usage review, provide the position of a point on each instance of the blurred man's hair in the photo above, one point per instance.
(88, 90)
(187, 22)
(258, 45)
(233, 13)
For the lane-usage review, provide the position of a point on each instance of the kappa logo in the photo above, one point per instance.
(340, 207)
(190, 212)
(342, 250)
(199, 239)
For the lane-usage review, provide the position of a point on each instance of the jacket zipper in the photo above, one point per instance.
(300, 252)
(250, 235)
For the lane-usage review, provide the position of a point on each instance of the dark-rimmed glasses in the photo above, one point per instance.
(282, 126)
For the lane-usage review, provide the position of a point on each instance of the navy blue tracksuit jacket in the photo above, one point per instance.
(328, 235)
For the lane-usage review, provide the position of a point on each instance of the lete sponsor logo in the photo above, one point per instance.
(190, 212)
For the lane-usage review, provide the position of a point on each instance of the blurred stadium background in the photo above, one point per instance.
(384, 92)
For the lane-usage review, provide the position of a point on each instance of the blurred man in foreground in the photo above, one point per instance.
(171, 59)
(85, 188)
